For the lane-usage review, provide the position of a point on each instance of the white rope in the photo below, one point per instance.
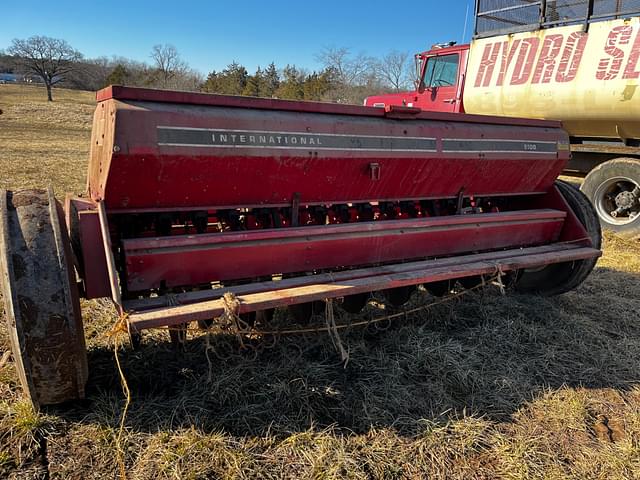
(332, 328)
(499, 274)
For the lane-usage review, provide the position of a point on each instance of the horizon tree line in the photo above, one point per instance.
(344, 77)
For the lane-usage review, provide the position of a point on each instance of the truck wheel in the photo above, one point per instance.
(40, 295)
(562, 277)
(614, 190)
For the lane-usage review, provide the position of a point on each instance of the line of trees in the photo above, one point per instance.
(290, 83)
(344, 77)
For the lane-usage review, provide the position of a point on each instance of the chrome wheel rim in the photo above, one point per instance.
(616, 202)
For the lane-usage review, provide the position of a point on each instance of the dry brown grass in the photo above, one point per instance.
(489, 387)
(44, 142)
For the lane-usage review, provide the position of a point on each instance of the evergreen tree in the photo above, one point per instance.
(271, 81)
(317, 85)
(231, 81)
(211, 83)
(254, 86)
(118, 76)
(291, 86)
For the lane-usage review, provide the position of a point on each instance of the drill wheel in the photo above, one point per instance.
(41, 303)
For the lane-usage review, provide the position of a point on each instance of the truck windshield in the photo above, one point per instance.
(441, 71)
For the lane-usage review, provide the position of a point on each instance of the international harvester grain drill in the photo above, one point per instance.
(283, 204)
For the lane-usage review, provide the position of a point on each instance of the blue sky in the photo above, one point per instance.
(211, 34)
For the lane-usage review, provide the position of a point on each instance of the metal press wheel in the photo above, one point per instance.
(302, 313)
(40, 296)
(400, 295)
(355, 303)
(562, 277)
(439, 288)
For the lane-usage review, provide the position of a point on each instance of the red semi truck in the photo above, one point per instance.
(577, 61)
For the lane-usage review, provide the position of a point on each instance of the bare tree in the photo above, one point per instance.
(351, 70)
(355, 75)
(51, 59)
(92, 74)
(168, 64)
(393, 70)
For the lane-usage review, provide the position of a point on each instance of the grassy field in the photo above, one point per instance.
(487, 386)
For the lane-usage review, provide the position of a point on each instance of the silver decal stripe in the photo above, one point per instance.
(196, 137)
(498, 146)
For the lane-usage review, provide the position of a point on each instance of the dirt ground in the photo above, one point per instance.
(486, 386)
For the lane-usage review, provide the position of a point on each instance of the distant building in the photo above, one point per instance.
(16, 78)
(10, 78)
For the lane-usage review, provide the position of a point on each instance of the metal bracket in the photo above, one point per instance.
(295, 209)
(111, 263)
(460, 201)
(374, 171)
(401, 112)
(585, 26)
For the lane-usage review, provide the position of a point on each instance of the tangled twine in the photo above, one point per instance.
(499, 275)
(231, 323)
(332, 328)
(116, 333)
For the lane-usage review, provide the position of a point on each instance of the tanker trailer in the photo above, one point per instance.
(578, 62)
(200, 206)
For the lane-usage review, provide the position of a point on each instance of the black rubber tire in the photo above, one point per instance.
(628, 168)
(355, 303)
(562, 277)
(303, 312)
(262, 316)
(400, 295)
(470, 282)
(440, 288)
(42, 307)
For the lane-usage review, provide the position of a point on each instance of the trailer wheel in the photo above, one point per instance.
(563, 277)
(38, 285)
(614, 189)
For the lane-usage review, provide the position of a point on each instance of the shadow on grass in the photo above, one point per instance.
(484, 355)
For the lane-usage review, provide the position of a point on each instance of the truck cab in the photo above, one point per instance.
(439, 84)
(577, 62)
